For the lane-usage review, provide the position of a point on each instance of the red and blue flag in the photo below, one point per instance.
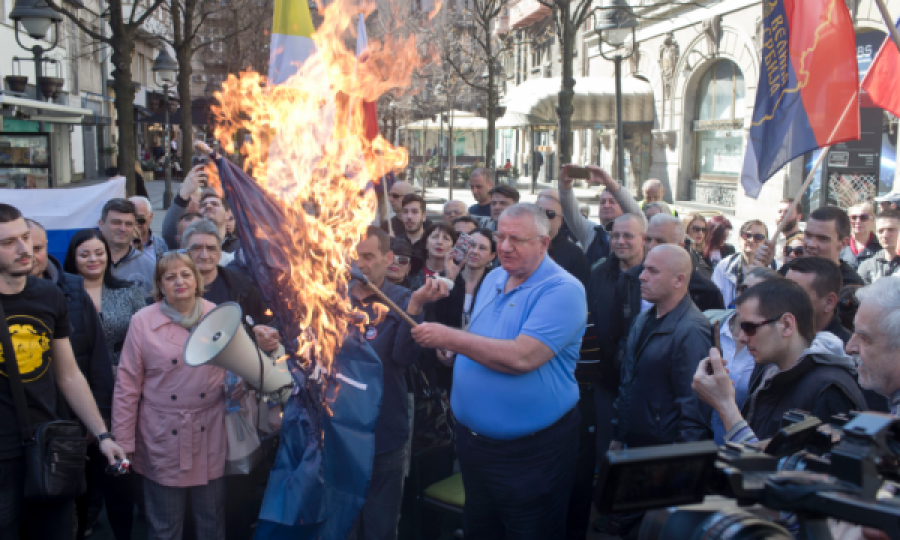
(808, 90)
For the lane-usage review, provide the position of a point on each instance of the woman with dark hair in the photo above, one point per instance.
(439, 240)
(716, 247)
(116, 300)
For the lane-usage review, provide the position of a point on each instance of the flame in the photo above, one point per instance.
(307, 147)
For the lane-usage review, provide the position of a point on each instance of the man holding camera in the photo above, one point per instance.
(795, 367)
(37, 319)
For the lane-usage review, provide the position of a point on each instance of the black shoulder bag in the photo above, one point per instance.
(55, 452)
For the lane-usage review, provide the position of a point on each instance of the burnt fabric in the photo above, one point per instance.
(324, 462)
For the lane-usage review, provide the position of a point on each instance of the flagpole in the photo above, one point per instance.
(892, 30)
(387, 202)
(800, 192)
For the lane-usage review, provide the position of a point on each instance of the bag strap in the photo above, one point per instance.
(15, 379)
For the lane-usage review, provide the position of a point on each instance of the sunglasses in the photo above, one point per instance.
(395, 196)
(793, 251)
(401, 260)
(141, 221)
(551, 214)
(750, 328)
(698, 229)
(860, 217)
(758, 237)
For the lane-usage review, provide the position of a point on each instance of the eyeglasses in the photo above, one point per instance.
(860, 217)
(401, 260)
(515, 240)
(627, 236)
(758, 237)
(198, 248)
(793, 251)
(750, 328)
(551, 214)
(698, 229)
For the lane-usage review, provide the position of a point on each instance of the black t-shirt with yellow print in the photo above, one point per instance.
(35, 317)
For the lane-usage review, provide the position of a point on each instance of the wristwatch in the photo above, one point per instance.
(105, 435)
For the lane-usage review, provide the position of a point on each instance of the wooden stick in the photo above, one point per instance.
(390, 304)
(892, 30)
(387, 201)
(809, 178)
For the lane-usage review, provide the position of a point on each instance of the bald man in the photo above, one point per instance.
(395, 196)
(666, 343)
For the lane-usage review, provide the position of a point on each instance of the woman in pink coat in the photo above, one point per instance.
(168, 416)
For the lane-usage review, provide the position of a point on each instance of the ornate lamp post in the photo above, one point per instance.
(616, 21)
(36, 17)
(165, 70)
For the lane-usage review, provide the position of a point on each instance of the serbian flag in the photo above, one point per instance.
(882, 82)
(808, 90)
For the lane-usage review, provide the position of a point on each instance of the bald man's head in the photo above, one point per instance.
(549, 192)
(667, 272)
(550, 205)
(398, 191)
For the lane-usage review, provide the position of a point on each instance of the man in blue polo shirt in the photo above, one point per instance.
(514, 389)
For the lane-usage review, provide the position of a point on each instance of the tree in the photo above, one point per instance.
(123, 31)
(189, 17)
(474, 53)
(568, 17)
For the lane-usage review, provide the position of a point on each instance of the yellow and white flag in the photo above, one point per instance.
(292, 44)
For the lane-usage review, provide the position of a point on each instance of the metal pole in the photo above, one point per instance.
(167, 192)
(452, 156)
(440, 146)
(620, 140)
(38, 60)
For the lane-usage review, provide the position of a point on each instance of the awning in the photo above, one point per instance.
(52, 113)
(533, 103)
(199, 115)
(462, 120)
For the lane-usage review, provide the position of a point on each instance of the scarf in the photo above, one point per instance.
(186, 322)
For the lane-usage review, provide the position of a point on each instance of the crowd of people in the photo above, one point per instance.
(561, 338)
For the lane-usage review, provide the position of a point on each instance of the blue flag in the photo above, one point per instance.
(315, 490)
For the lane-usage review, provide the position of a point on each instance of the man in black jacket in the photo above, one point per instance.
(664, 346)
(562, 250)
(666, 229)
(795, 368)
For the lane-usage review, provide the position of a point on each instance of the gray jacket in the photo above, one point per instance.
(136, 268)
(879, 266)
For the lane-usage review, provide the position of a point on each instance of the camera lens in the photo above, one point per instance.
(713, 520)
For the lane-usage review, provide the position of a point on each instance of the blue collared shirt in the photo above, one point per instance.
(549, 306)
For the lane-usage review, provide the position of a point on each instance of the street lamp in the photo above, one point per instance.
(444, 97)
(36, 17)
(613, 26)
(165, 69)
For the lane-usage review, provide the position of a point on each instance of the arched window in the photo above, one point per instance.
(718, 130)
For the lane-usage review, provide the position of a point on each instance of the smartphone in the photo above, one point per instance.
(717, 343)
(463, 244)
(578, 172)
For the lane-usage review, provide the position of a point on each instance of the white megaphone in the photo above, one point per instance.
(221, 340)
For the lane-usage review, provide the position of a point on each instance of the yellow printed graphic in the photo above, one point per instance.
(30, 345)
(803, 72)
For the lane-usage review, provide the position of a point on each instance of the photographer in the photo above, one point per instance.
(796, 368)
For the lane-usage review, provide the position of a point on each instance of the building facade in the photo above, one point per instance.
(688, 93)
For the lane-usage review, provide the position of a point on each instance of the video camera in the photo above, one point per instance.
(811, 469)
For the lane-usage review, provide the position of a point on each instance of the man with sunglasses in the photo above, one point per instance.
(562, 250)
(886, 262)
(153, 245)
(399, 190)
(863, 243)
(795, 367)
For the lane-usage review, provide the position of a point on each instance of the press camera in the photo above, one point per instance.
(847, 470)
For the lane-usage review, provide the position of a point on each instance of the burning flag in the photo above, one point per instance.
(299, 219)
